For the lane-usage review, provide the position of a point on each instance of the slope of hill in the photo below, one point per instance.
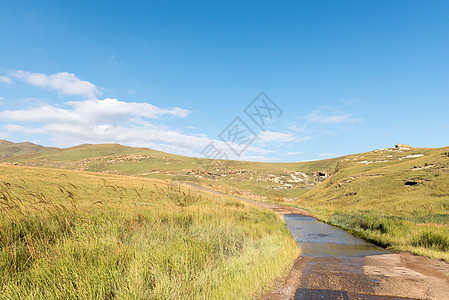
(9, 149)
(249, 178)
(69, 234)
(396, 198)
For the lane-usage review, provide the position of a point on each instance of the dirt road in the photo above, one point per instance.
(334, 265)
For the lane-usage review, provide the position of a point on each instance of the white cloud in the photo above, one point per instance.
(113, 109)
(65, 83)
(303, 139)
(4, 135)
(295, 153)
(256, 150)
(109, 111)
(25, 130)
(327, 155)
(114, 121)
(279, 137)
(318, 116)
(97, 121)
(258, 158)
(298, 129)
(5, 79)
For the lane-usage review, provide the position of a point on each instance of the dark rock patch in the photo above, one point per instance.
(411, 182)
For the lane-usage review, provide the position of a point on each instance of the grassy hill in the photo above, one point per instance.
(9, 149)
(71, 234)
(396, 198)
(248, 178)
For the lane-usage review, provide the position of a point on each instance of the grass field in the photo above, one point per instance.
(69, 234)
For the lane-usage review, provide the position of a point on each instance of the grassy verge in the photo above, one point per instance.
(66, 234)
(396, 233)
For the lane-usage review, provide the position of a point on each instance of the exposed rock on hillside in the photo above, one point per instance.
(403, 147)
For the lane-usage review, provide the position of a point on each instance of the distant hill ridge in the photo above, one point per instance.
(282, 181)
(268, 179)
(9, 149)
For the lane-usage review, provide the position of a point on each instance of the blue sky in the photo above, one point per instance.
(349, 76)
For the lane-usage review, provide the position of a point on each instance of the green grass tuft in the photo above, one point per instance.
(432, 240)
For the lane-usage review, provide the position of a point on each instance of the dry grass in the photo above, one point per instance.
(66, 234)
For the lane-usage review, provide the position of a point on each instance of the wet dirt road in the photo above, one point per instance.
(336, 265)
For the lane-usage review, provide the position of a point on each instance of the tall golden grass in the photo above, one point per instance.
(68, 235)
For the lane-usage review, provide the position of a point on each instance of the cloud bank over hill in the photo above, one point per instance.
(94, 120)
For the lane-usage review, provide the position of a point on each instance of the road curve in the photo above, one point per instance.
(280, 209)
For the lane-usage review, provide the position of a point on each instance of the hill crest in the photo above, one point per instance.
(10, 149)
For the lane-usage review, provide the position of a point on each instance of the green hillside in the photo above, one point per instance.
(396, 198)
(275, 180)
(9, 149)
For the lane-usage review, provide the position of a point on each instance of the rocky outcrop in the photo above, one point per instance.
(322, 174)
(403, 147)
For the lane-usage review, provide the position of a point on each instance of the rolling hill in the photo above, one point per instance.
(395, 197)
(247, 178)
(9, 149)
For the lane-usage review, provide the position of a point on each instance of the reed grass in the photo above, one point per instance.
(75, 235)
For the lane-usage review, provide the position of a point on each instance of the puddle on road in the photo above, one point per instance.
(311, 294)
(318, 239)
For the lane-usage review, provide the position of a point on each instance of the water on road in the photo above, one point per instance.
(336, 265)
(333, 258)
(318, 239)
